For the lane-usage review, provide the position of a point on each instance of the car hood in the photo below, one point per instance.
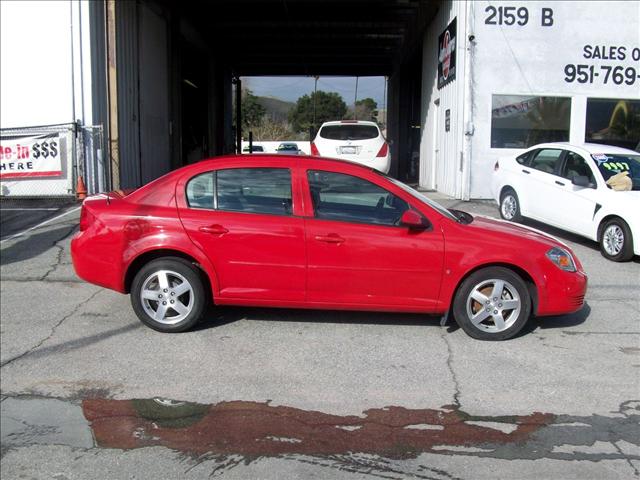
(513, 229)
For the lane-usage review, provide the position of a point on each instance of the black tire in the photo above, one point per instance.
(191, 302)
(510, 206)
(487, 324)
(616, 241)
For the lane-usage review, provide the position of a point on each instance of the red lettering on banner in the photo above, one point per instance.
(5, 152)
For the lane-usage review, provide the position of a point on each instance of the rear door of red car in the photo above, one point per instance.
(243, 219)
(357, 252)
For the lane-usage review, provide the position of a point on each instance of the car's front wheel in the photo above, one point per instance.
(510, 206)
(492, 304)
(616, 241)
(167, 295)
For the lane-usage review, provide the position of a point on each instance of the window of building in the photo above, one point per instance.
(520, 121)
(613, 122)
(252, 190)
(337, 196)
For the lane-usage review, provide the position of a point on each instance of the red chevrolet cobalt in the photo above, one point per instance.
(287, 231)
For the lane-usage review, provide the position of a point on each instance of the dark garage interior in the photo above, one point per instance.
(170, 68)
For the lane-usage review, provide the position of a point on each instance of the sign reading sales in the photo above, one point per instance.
(30, 156)
(447, 55)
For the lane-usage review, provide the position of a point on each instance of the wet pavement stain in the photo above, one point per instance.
(237, 432)
(260, 429)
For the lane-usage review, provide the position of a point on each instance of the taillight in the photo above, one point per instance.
(86, 218)
(314, 150)
(384, 149)
(496, 166)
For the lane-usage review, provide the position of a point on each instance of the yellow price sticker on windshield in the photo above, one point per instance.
(616, 166)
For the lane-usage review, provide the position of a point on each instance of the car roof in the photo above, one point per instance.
(591, 148)
(349, 122)
(276, 159)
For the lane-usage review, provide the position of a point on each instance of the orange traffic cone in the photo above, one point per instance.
(81, 189)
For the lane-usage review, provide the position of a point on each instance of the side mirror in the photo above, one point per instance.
(581, 181)
(414, 221)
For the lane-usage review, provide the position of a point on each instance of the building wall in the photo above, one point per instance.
(45, 80)
(443, 154)
(518, 49)
(530, 60)
(45, 74)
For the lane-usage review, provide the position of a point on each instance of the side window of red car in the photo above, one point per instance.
(254, 190)
(251, 190)
(337, 196)
(200, 191)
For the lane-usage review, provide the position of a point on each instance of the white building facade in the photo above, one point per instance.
(46, 95)
(499, 77)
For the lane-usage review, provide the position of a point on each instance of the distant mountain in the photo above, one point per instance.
(277, 110)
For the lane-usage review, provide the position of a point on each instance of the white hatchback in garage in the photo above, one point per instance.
(355, 140)
(565, 186)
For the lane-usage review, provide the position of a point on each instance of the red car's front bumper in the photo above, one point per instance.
(562, 293)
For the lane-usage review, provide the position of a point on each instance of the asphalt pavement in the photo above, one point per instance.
(88, 392)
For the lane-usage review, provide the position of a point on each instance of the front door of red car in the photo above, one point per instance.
(242, 219)
(359, 255)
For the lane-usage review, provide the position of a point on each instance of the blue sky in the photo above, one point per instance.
(291, 88)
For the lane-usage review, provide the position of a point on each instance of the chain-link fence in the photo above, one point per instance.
(46, 161)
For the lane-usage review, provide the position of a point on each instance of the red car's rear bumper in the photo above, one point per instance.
(94, 263)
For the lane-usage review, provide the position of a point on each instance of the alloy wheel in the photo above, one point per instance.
(508, 207)
(613, 240)
(167, 297)
(493, 305)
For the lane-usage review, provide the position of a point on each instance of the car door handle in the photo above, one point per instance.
(214, 229)
(526, 171)
(559, 183)
(331, 238)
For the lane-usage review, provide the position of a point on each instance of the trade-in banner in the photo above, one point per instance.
(37, 156)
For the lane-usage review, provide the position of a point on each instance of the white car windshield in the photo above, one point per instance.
(611, 164)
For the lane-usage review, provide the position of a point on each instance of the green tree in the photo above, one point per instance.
(328, 106)
(366, 109)
(251, 110)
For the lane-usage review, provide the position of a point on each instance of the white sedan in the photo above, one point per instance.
(565, 186)
(355, 140)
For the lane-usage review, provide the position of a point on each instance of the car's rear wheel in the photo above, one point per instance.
(510, 206)
(492, 304)
(616, 241)
(167, 295)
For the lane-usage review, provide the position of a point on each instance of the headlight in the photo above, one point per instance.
(562, 259)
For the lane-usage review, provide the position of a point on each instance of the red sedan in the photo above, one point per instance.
(285, 231)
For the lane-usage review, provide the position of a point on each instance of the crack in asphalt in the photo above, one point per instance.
(53, 330)
(456, 383)
(569, 332)
(636, 472)
(374, 467)
(61, 250)
(39, 279)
